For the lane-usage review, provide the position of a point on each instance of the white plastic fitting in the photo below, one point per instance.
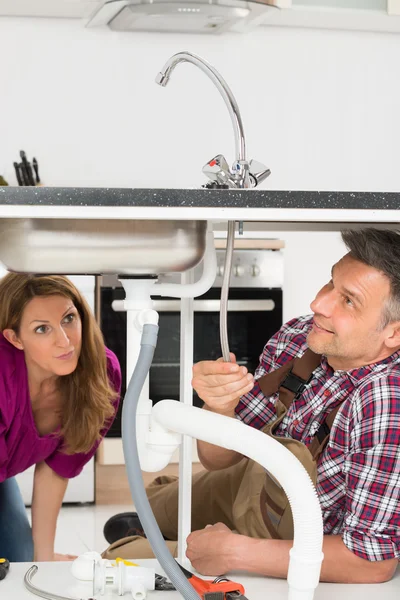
(123, 579)
(138, 591)
(156, 444)
(136, 580)
(138, 295)
(83, 566)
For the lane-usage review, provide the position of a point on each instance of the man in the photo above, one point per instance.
(355, 328)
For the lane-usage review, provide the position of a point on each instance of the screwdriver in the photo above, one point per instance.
(4, 567)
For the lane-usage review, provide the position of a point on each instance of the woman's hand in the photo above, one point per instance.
(52, 556)
(63, 557)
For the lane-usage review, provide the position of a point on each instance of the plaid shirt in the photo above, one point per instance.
(358, 480)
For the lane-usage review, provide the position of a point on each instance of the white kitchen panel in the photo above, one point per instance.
(80, 489)
(85, 284)
(48, 8)
(393, 7)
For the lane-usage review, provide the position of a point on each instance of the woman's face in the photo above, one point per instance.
(50, 335)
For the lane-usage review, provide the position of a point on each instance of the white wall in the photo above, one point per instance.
(321, 108)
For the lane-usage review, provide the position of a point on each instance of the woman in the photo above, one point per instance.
(59, 392)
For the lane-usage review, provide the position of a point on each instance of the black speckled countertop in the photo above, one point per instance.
(154, 197)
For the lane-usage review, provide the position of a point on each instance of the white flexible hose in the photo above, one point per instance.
(306, 554)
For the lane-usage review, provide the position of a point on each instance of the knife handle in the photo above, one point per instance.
(18, 173)
(27, 169)
(36, 169)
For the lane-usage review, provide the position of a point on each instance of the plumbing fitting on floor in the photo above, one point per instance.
(123, 579)
(104, 576)
(119, 576)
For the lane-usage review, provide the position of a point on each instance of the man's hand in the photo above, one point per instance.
(216, 550)
(220, 384)
(212, 550)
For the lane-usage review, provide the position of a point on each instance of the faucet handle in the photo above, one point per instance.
(258, 172)
(217, 169)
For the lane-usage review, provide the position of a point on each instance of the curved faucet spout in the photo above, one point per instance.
(163, 78)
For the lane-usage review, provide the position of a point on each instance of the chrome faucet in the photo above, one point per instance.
(243, 174)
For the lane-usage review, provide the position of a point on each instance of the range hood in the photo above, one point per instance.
(188, 16)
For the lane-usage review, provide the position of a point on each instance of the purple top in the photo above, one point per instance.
(20, 443)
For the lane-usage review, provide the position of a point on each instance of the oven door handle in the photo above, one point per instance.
(208, 306)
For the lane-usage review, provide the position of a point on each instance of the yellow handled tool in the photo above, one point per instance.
(4, 568)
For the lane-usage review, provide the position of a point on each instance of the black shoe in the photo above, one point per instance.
(122, 525)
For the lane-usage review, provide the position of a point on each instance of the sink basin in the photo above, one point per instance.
(82, 246)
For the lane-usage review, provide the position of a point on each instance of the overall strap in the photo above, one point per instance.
(321, 438)
(290, 380)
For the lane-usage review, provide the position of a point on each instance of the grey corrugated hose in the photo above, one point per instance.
(138, 492)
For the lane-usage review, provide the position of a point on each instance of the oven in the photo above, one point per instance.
(254, 315)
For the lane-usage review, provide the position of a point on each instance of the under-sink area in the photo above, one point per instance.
(101, 246)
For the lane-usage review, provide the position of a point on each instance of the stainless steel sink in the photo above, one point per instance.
(78, 246)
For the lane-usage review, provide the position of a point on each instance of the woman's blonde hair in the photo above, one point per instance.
(86, 392)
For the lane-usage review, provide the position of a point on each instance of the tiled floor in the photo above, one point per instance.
(80, 528)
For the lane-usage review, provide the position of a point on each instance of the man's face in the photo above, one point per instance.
(348, 314)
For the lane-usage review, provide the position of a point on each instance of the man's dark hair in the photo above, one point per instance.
(380, 249)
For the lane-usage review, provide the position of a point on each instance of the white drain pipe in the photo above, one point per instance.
(306, 554)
